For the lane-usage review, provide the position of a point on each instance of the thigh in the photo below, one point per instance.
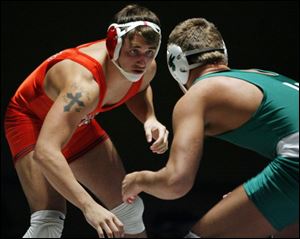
(234, 216)
(39, 193)
(275, 192)
(83, 140)
(101, 171)
(21, 130)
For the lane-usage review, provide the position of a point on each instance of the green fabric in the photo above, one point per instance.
(275, 192)
(277, 116)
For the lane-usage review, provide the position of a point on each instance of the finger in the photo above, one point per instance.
(108, 231)
(130, 200)
(115, 230)
(100, 232)
(127, 199)
(119, 225)
(161, 151)
(162, 136)
(166, 137)
(148, 134)
(157, 142)
(160, 148)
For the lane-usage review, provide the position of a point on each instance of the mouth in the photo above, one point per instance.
(138, 70)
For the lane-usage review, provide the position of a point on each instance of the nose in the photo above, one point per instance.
(142, 61)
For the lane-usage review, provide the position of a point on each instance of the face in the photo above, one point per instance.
(136, 55)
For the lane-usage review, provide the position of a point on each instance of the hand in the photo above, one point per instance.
(103, 220)
(154, 129)
(130, 187)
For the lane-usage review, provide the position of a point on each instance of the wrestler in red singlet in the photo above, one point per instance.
(30, 104)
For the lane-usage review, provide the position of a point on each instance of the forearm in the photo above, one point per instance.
(160, 184)
(57, 171)
(142, 105)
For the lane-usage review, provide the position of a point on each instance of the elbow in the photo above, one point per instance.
(179, 186)
(40, 154)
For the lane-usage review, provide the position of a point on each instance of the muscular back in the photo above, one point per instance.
(229, 103)
(253, 109)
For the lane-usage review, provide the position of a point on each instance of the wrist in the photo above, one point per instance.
(145, 178)
(150, 118)
(139, 180)
(87, 204)
(150, 121)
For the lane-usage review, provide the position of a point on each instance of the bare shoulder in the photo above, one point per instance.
(225, 90)
(192, 103)
(68, 69)
(200, 94)
(212, 86)
(225, 103)
(216, 93)
(69, 75)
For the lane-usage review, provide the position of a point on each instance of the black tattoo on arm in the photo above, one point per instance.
(74, 99)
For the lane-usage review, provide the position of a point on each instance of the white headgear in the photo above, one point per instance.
(132, 77)
(115, 33)
(178, 64)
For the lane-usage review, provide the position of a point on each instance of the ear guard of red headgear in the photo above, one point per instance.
(114, 36)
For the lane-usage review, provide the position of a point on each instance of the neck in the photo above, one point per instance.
(203, 70)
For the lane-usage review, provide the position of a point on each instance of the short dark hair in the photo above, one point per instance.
(134, 12)
(199, 33)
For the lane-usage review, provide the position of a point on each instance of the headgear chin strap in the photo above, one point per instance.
(178, 64)
(132, 77)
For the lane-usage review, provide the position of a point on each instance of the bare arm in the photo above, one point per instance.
(141, 106)
(77, 97)
(56, 131)
(210, 107)
(177, 177)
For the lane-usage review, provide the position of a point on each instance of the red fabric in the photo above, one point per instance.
(30, 105)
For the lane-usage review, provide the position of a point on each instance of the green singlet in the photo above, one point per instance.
(272, 131)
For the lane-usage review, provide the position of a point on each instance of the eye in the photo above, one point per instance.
(133, 52)
(149, 53)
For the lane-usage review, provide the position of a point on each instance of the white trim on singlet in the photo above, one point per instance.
(289, 146)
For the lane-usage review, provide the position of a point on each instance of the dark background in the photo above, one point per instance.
(258, 34)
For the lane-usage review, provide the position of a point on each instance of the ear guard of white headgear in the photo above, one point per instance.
(178, 64)
(117, 31)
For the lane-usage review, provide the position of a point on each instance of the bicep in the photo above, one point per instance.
(71, 105)
(187, 145)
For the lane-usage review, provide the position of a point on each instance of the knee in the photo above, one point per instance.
(45, 224)
(131, 215)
